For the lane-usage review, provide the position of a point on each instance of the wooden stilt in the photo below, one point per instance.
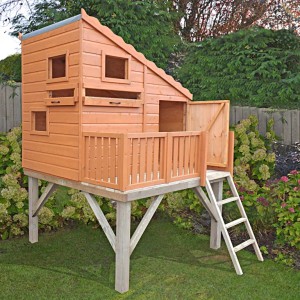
(33, 192)
(215, 228)
(122, 246)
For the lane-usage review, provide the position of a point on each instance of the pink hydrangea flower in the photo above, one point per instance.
(291, 209)
(299, 181)
(284, 179)
(294, 172)
(283, 204)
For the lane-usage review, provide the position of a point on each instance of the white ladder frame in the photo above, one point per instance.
(214, 187)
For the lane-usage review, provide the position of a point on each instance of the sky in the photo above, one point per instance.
(8, 44)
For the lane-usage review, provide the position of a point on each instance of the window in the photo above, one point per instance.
(116, 68)
(39, 121)
(58, 67)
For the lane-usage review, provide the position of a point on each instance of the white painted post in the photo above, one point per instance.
(122, 246)
(33, 194)
(215, 229)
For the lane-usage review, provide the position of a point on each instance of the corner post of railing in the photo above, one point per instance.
(123, 162)
(230, 159)
(168, 157)
(202, 156)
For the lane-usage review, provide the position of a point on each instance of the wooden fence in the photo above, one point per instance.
(10, 107)
(286, 122)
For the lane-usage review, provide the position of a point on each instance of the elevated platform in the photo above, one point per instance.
(117, 195)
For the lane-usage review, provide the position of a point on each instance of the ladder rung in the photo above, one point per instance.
(228, 200)
(243, 245)
(235, 222)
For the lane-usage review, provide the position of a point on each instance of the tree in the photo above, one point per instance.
(206, 18)
(10, 68)
(256, 67)
(146, 24)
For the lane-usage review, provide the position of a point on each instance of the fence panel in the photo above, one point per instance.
(10, 107)
(286, 122)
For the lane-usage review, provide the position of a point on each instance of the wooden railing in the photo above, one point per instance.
(136, 160)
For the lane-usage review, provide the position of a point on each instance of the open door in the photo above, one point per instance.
(213, 117)
(172, 116)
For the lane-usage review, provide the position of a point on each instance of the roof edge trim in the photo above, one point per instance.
(51, 27)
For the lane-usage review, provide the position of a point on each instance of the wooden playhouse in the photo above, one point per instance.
(98, 116)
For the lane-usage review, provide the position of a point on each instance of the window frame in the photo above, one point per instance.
(54, 54)
(127, 68)
(33, 110)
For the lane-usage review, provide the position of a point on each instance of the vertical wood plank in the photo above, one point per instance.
(295, 126)
(105, 158)
(287, 127)
(9, 108)
(180, 155)
(192, 154)
(2, 108)
(92, 158)
(122, 246)
(168, 157)
(262, 121)
(187, 155)
(142, 170)
(135, 158)
(202, 156)
(112, 170)
(278, 123)
(232, 115)
(33, 194)
(215, 228)
(99, 160)
(238, 114)
(175, 145)
(149, 163)
(17, 107)
(156, 158)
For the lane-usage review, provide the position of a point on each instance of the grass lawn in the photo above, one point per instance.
(168, 263)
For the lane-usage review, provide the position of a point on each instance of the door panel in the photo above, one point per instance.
(212, 116)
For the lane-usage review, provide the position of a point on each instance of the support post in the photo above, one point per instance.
(122, 246)
(215, 228)
(33, 191)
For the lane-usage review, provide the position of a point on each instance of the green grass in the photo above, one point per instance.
(168, 263)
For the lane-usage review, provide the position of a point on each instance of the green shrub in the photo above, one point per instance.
(286, 191)
(10, 68)
(255, 67)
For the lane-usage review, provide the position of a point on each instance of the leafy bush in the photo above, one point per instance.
(10, 68)
(286, 191)
(256, 67)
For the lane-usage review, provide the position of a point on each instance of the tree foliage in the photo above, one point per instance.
(256, 67)
(206, 18)
(147, 24)
(10, 68)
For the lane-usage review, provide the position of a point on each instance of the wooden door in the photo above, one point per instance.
(213, 117)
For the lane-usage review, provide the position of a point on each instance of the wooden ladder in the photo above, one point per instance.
(216, 211)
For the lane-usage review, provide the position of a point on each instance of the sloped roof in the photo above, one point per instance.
(118, 41)
(132, 51)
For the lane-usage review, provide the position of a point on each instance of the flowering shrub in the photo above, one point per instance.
(253, 166)
(286, 191)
